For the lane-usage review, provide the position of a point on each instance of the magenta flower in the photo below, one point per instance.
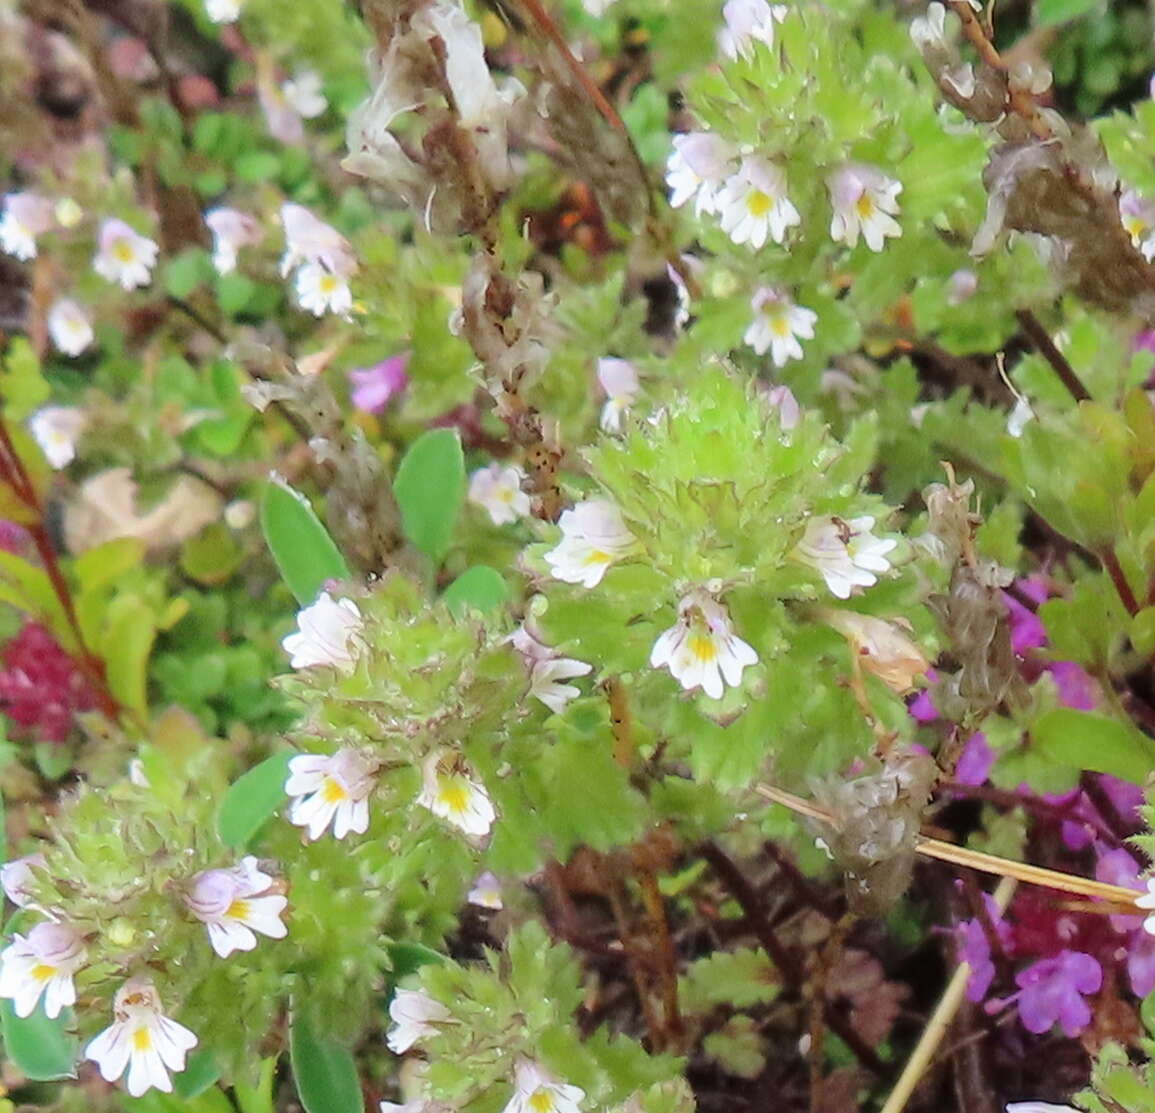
(1027, 629)
(40, 686)
(974, 948)
(974, 765)
(374, 386)
(1053, 990)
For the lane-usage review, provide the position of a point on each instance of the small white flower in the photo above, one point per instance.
(415, 1015)
(26, 216)
(1138, 216)
(753, 205)
(845, 553)
(782, 399)
(235, 903)
(56, 429)
(596, 8)
(497, 490)
(16, 878)
(320, 291)
(309, 240)
(546, 681)
(593, 536)
(141, 1039)
(486, 892)
(331, 790)
(699, 163)
(778, 324)
(449, 791)
(928, 32)
(865, 203)
(747, 22)
(619, 379)
(124, 256)
(1147, 902)
(1039, 1106)
(701, 649)
(536, 1091)
(223, 11)
(69, 327)
(42, 963)
(304, 93)
(326, 634)
(231, 230)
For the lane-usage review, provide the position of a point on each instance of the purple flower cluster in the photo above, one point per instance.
(41, 688)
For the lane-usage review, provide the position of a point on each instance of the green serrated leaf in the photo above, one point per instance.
(300, 544)
(430, 488)
(252, 799)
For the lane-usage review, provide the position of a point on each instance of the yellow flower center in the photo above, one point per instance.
(328, 283)
(453, 794)
(238, 910)
(333, 792)
(864, 206)
(541, 1101)
(123, 251)
(42, 972)
(758, 203)
(596, 556)
(779, 325)
(702, 646)
(141, 1040)
(1136, 226)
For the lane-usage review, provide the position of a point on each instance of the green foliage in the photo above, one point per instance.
(41, 1048)
(430, 488)
(300, 544)
(323, 1069)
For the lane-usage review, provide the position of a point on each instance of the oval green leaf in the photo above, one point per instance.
(480, 588)
(1084, 740)
(430, 487)
(324, 1070)
(252, 799)
(40, 1047)
(405, 958)
(300, 544)
(200, 1072)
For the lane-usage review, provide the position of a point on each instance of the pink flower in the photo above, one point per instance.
(974, 948)
(374, 387)
(1052, 991)
(974, 766)
(40, 686)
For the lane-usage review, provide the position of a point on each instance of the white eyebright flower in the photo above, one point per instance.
(69, 327)
(57, 429)
(865, 203)
(16, 877)
(235, 903)
(309, 240)
(26, 216)
(231, 230)
(593, 536)
(320, 291)
(548, 669)
(1138, 216)
(536, 1091)
(753, 205)
(124, 256)
(141, 1039)
(223, 11)
(778, 324)
(701, 649)
(415, 1015)
(42, 963)
(449, 791)
(497, 490)
(619, 379)
(699, 163)
(326, 634)
(845, 553)
(486, 892)
(331, 790)
(747, 22)
(304, 94)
